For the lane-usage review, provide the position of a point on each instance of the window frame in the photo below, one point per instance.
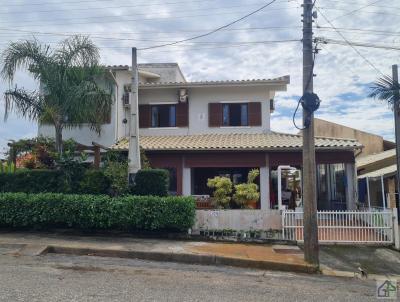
(229, 112)
(169, 115)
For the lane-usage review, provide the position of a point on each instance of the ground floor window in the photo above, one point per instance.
(331, 187)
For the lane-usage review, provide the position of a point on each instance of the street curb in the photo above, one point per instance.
(201, 259)
(349, 274)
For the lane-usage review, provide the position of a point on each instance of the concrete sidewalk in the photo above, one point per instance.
(267, 257)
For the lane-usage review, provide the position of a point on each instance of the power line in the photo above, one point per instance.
(360, 44)
(212, 31)
(348, 43)
(134, 20)
(119, 17)
(143, 4)
(353, 11)
(67, 34)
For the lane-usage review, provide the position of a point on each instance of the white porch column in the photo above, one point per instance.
(186, 181)
(264, 185)
(351, 190)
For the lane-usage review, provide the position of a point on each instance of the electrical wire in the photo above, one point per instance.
(348, 42)
(360, 44)
(212, 31)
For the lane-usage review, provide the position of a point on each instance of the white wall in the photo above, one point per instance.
(199, 98)
(239, 220)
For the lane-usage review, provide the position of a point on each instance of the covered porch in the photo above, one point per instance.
(193, 159)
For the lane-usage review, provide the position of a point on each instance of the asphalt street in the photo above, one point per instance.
(87, 278)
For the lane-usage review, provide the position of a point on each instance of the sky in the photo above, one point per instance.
(265, 45)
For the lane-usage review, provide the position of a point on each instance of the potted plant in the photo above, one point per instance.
(246, 194)
(222, 189)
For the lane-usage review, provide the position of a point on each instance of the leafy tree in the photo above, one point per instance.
(73, 86)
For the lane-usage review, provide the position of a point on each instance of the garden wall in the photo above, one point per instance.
(239, 220)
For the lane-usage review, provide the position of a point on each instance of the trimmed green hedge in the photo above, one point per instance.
(33, 181)
(151, 182)
(96, 212)
(78, 180)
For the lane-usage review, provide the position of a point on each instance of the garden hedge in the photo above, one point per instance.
(96, 212)
(33, 181)
(77, 180)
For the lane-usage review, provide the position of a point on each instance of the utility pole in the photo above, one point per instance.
(311, 249)
(134, 150)
(396, 111)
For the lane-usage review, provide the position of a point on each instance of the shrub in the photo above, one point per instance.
(32, 181)
(90, 212)
(151, 182)
(117, 173)
(247, 193)
(94, 182)
(223, 188)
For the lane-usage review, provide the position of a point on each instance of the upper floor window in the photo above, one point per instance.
(163, 116)
(235, 114)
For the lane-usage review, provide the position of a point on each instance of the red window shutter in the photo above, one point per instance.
(144, 116)
(254, 112)
(182, 115)
(214, 114)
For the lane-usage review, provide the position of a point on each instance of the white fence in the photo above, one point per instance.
(365, 226)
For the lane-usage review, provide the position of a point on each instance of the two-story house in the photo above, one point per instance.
(198, 130)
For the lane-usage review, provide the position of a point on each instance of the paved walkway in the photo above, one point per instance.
(280, 257)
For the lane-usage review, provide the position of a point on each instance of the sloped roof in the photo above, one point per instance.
(385, 172)
(370, 159)
(234, 141)
(254, 82)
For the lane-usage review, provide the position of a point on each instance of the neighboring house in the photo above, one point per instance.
(198, 130)
(377, 179)
(372, 143)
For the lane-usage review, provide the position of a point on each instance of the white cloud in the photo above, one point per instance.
(340, 70)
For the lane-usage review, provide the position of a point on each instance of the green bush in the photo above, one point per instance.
(117, 173)
(32, 181)
(71, 179)
(96, 212)
(94, 182)
(151, 182)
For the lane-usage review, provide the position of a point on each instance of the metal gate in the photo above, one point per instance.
(353, 227)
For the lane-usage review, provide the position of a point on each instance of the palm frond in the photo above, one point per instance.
(78, 51)
(22, 102)
(30, 55)
(385, 89)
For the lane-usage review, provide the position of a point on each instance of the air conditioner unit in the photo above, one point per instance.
(183, 95)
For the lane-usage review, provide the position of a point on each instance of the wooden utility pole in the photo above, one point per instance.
(134, 150)
(311, 249)
(396, 111)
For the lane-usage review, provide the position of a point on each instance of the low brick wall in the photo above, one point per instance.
(239, 220)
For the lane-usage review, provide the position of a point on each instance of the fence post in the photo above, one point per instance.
(283, 224)
(396, 233)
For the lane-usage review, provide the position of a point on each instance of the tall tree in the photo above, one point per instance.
(74, 88)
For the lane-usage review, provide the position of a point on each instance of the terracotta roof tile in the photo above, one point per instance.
(234, 141)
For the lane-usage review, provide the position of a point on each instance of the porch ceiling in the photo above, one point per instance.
(244, 141)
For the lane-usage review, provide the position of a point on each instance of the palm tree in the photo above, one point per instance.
(385, 89)
(74, 88)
